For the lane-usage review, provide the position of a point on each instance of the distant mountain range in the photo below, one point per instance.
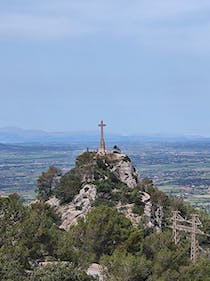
(13, 135)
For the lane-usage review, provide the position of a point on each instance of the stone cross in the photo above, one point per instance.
(102, 148)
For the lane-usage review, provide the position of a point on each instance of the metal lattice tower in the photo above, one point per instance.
(182, 225)
(194, 241)
(176, 218)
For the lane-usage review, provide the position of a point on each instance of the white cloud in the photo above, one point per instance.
(171, 24)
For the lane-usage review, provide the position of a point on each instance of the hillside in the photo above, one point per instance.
(13, 135)
(100, 212)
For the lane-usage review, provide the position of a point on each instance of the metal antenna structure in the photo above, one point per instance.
(188, 226)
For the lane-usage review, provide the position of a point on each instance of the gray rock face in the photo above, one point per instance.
(78, 208)
(159, 218)
(125, 171)
(147, 209)
(127, 210)
(96, 270)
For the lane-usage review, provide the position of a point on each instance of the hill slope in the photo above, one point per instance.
(101, 179)
(111, 217)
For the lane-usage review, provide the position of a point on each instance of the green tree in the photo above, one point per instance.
(46, 182)
(102, 231)
(58, 272)
(66, 250)
(70, 185)
(13, 262)
(12, 214)
(122, 266)
(197, 272)
(40, 232)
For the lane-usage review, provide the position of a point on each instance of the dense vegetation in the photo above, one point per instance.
(30, 234)
(46, 182)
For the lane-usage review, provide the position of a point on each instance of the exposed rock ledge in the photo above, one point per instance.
(127, 210)
(78, 208)
(125, 171)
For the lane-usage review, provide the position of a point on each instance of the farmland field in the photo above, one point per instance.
(181, 169)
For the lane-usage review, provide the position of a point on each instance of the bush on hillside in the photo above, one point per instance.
(68, 187)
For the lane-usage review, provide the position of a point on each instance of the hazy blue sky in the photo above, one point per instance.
(142, 66)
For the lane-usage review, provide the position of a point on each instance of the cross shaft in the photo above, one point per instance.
(102, 148)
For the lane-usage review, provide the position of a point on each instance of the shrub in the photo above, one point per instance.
(69, 186)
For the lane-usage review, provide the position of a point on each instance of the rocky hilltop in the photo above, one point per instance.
(101, 179)
(119, 228)
(108, 179)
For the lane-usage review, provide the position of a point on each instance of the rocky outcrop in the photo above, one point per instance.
(93, 168)
(96, 270)
(78, 208)
(125, 171)
(159, 218)
(147, 209)
(127, 211)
